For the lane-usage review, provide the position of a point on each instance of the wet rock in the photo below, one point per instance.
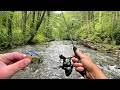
(104, 68)
(81, 78)
(117, 67)
(101, 64)
(108, 51)
(28, 69)
(100, 67)
(36, 71)
(112, 67)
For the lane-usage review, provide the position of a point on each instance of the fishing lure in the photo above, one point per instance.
(33, 55)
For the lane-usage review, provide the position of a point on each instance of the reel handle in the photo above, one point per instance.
(62, 57)
(83, 73)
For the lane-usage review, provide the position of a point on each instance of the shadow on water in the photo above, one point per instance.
(49, 67)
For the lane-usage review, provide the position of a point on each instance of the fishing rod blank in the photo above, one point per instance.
(83, 73)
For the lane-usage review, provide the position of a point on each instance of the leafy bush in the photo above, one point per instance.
(39, 38)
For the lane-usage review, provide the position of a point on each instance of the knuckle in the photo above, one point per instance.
(16, 53)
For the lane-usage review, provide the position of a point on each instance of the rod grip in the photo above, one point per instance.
(83, 73)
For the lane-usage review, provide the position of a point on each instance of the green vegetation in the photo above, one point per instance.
(27, 27)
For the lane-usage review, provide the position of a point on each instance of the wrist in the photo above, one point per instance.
(97, 73)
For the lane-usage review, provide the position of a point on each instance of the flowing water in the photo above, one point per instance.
(49, 67)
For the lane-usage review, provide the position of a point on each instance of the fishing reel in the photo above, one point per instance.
(67, 65)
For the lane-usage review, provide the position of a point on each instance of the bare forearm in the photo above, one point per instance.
(97, 73)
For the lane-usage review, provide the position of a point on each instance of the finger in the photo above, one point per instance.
(80, 54)
(77, 64)
(14, 56)
(73, 55)
(13, 68)
(8, 57)
(75, 60)
(24, 69)
(79, 69)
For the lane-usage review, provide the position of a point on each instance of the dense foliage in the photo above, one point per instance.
(26, 27)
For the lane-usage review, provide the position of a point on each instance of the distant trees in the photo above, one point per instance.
(37, 27)
(26, 27)
(97, 26)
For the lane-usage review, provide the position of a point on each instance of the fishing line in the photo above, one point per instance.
(68, 29)
(83, 73)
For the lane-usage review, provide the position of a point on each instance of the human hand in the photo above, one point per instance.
(10, 63)
(92, 71)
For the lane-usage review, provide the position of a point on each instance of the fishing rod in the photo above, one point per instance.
(83, 73)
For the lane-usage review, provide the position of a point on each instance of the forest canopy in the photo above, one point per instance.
(26, 27)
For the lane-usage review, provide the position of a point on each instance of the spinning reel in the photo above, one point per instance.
(67, 65)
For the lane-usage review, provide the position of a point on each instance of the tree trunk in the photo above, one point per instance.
(113, 25)
(48, 14)
(17, 19)
(88, 22)
(10, 28)
(32, 23)
(24, 24)
(92, 16)
(81, 20)
(100, 16)
(37, 27)
(33, 17)
(39, 15)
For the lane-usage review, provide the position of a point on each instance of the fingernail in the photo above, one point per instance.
(76, 59)
(82, 69)
(27, 61)
(24, 56)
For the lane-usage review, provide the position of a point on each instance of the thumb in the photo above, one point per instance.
(13, 68)
(80, 54)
